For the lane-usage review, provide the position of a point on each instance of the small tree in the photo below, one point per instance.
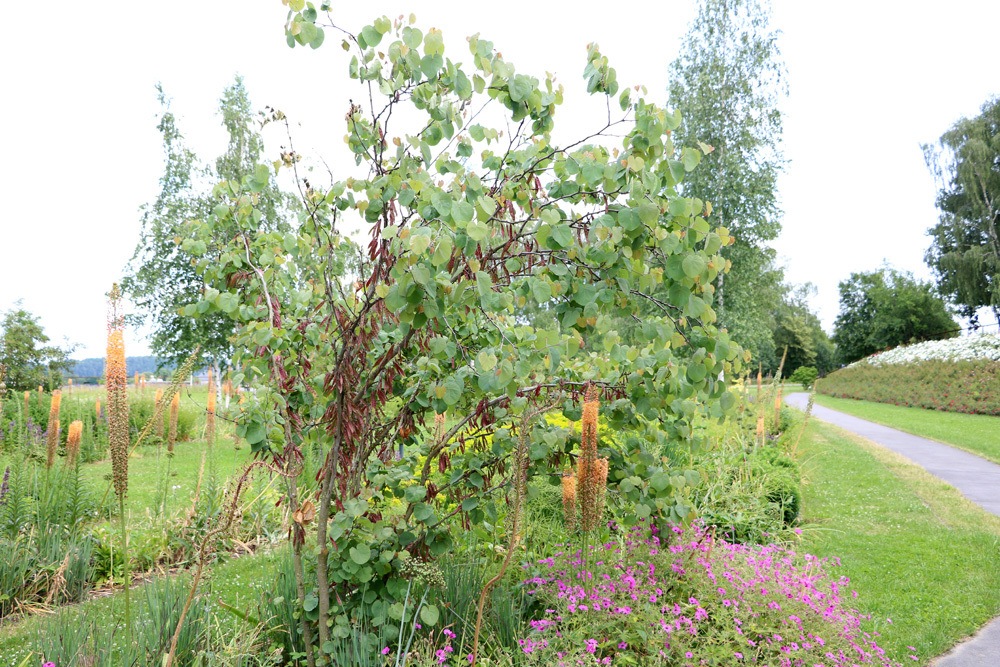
(886, 308)
(472, 216)
(29, 361)
(161, 278)
(799, 330)
(727, 82)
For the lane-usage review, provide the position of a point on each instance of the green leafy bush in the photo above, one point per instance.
(971, 387)
(804, 375)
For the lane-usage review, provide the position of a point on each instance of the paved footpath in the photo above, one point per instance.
(976, 478)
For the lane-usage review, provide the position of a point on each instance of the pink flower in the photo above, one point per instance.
(385, 651)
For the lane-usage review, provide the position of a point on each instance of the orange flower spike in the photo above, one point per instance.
(73, 442)
(52, 433)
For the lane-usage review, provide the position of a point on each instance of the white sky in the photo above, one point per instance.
(868, 81)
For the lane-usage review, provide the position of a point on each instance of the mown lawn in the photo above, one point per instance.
(973, 433)
(916, 551)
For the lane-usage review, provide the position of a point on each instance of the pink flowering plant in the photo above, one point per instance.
(693, 600)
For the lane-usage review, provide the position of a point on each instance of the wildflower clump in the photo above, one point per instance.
(52, 434)
(690, 600)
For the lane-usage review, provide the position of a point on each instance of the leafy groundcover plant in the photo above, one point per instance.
(691, 599)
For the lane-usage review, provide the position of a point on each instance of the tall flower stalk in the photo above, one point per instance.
(158, 423)
(52, 434)
(116, 382)
(210, 413)
(590, 482)
(569, 501)
(175, 406)
(73, 443)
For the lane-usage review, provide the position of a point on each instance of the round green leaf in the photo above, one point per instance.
(429, 614)
(361, 554)
(693, 265)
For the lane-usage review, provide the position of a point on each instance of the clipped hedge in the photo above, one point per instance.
(971, 387)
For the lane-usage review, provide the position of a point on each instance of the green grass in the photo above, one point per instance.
(239, 583)
(973, 433)
(916, 550)
(148, 465)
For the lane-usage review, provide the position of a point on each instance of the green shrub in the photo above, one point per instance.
(804, 375)
(749, 497)
(141, 411)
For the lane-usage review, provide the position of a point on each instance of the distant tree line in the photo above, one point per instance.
(94, 368)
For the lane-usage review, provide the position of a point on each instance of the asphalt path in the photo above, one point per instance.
(976, 478)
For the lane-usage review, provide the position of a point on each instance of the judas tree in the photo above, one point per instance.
(471, 219)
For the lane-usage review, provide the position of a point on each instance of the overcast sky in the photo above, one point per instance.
(868, 83)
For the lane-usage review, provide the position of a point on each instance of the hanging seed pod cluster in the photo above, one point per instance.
(116, 382)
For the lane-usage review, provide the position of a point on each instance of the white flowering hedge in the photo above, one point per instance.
(981, 347)
(955, 375)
